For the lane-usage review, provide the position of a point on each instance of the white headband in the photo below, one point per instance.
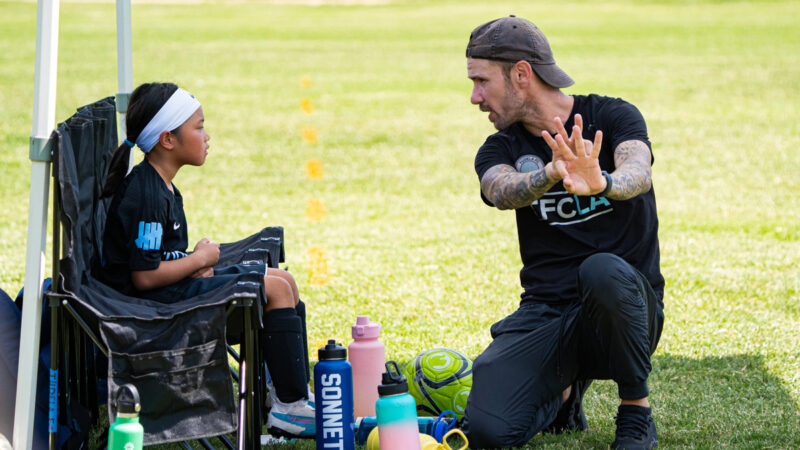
(180, 106)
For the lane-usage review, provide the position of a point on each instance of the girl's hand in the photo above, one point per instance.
(205, 272)
(207, 250)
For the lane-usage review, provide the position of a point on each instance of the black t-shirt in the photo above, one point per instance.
(145, 225)
(560, 230)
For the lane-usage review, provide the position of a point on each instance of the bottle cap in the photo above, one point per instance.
(364, 329)
(333, 350)
(392, 382)
(127, 400)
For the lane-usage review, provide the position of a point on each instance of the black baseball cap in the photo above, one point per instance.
(515, 39)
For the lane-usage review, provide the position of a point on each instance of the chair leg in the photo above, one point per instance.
(249, 430)
(78, 359)
(252, 359)
(241, 432)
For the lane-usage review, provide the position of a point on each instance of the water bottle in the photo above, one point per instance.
(333, 386)
(367, 355)
(126, 433)
(396, 412)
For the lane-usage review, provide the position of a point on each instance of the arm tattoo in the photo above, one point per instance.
(632, 176)
(508, 189)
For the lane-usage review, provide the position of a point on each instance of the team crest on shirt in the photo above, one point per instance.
(529, 163)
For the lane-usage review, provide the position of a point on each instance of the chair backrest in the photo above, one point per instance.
(85, 143)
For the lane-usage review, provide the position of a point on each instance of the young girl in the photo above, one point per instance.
(146, 239)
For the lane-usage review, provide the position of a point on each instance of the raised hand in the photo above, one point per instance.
(560, 131)
(575, 158)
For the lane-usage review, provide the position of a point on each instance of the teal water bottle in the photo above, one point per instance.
(396, 412)
(126, 433)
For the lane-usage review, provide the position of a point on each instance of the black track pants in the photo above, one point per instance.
(541, 349)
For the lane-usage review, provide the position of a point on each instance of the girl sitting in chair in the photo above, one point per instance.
(145, 245)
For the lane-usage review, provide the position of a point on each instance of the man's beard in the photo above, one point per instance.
(516, 106)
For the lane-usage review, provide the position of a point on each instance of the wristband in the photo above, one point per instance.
(608, 184)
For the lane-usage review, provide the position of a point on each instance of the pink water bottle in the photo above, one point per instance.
(367, 356)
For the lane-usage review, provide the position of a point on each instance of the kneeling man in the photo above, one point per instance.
(576, 170)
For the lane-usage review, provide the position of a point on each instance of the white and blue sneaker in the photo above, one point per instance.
(311, 398)
(272, 397)
(292, 419)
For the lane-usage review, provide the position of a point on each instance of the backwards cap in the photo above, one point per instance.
(515, 39)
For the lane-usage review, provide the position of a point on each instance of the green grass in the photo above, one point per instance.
(408, 240)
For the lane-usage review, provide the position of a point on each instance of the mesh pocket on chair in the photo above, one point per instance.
(186, 390)
(183, 392)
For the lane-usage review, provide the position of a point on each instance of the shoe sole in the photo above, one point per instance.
(302, 426)
(274, 431)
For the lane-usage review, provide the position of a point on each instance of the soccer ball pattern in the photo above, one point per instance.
(439, 380)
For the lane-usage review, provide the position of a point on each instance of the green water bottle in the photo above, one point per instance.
(126, 433)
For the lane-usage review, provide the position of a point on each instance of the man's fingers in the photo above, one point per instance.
(561, 168)
(578, 122)
(550, 141)
(560, 129)
(577, 139)
(564, 149)
(598, 143)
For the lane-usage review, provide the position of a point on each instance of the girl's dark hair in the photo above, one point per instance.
(144, 103)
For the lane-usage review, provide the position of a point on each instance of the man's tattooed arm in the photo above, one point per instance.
(508, 189)
(632, 176)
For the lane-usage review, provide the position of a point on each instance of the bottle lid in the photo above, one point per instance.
(364, 329)
(392, 382)
(127, 400)
(333, 350)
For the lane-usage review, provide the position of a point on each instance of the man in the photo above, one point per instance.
(577, 171)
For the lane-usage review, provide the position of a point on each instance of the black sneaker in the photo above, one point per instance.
(635, 429)
(570, 416)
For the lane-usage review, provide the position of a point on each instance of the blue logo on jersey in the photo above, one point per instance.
(149, 236)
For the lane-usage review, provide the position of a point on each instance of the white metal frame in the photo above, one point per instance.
(44, 99)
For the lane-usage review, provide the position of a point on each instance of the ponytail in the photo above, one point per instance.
(145, 101)
(117, 169)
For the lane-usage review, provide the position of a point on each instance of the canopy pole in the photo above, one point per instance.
(124, 65)
(44, 101)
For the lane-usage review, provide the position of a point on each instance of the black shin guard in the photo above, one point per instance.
(301, 312)
(282, 347)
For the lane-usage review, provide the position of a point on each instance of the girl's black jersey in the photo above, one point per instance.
(145, 225)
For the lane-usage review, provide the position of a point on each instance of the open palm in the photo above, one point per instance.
(577, 163)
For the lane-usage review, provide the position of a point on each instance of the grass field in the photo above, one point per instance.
(395, 210)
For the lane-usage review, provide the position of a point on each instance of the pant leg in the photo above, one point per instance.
(517, 381)
(620, 323)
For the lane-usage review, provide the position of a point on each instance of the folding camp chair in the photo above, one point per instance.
(175, 354)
